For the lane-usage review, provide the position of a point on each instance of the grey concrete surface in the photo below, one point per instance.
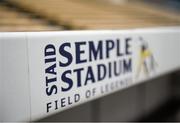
(78, 113)
(127, 105)
(157, 92)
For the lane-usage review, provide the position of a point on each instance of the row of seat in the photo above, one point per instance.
(92, 14)
(12, 20)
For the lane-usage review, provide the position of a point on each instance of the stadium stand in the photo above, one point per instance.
(150, 101)
(12, 20)
(84, 14)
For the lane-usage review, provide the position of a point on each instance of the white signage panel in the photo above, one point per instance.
(76, 67)
(64, 69)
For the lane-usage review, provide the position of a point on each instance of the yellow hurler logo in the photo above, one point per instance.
(146, 61)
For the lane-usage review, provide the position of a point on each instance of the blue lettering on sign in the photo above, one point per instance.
(50, 69)
(85, 51)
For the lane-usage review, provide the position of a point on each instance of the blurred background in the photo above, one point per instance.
(155, 100)
(44, 15)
